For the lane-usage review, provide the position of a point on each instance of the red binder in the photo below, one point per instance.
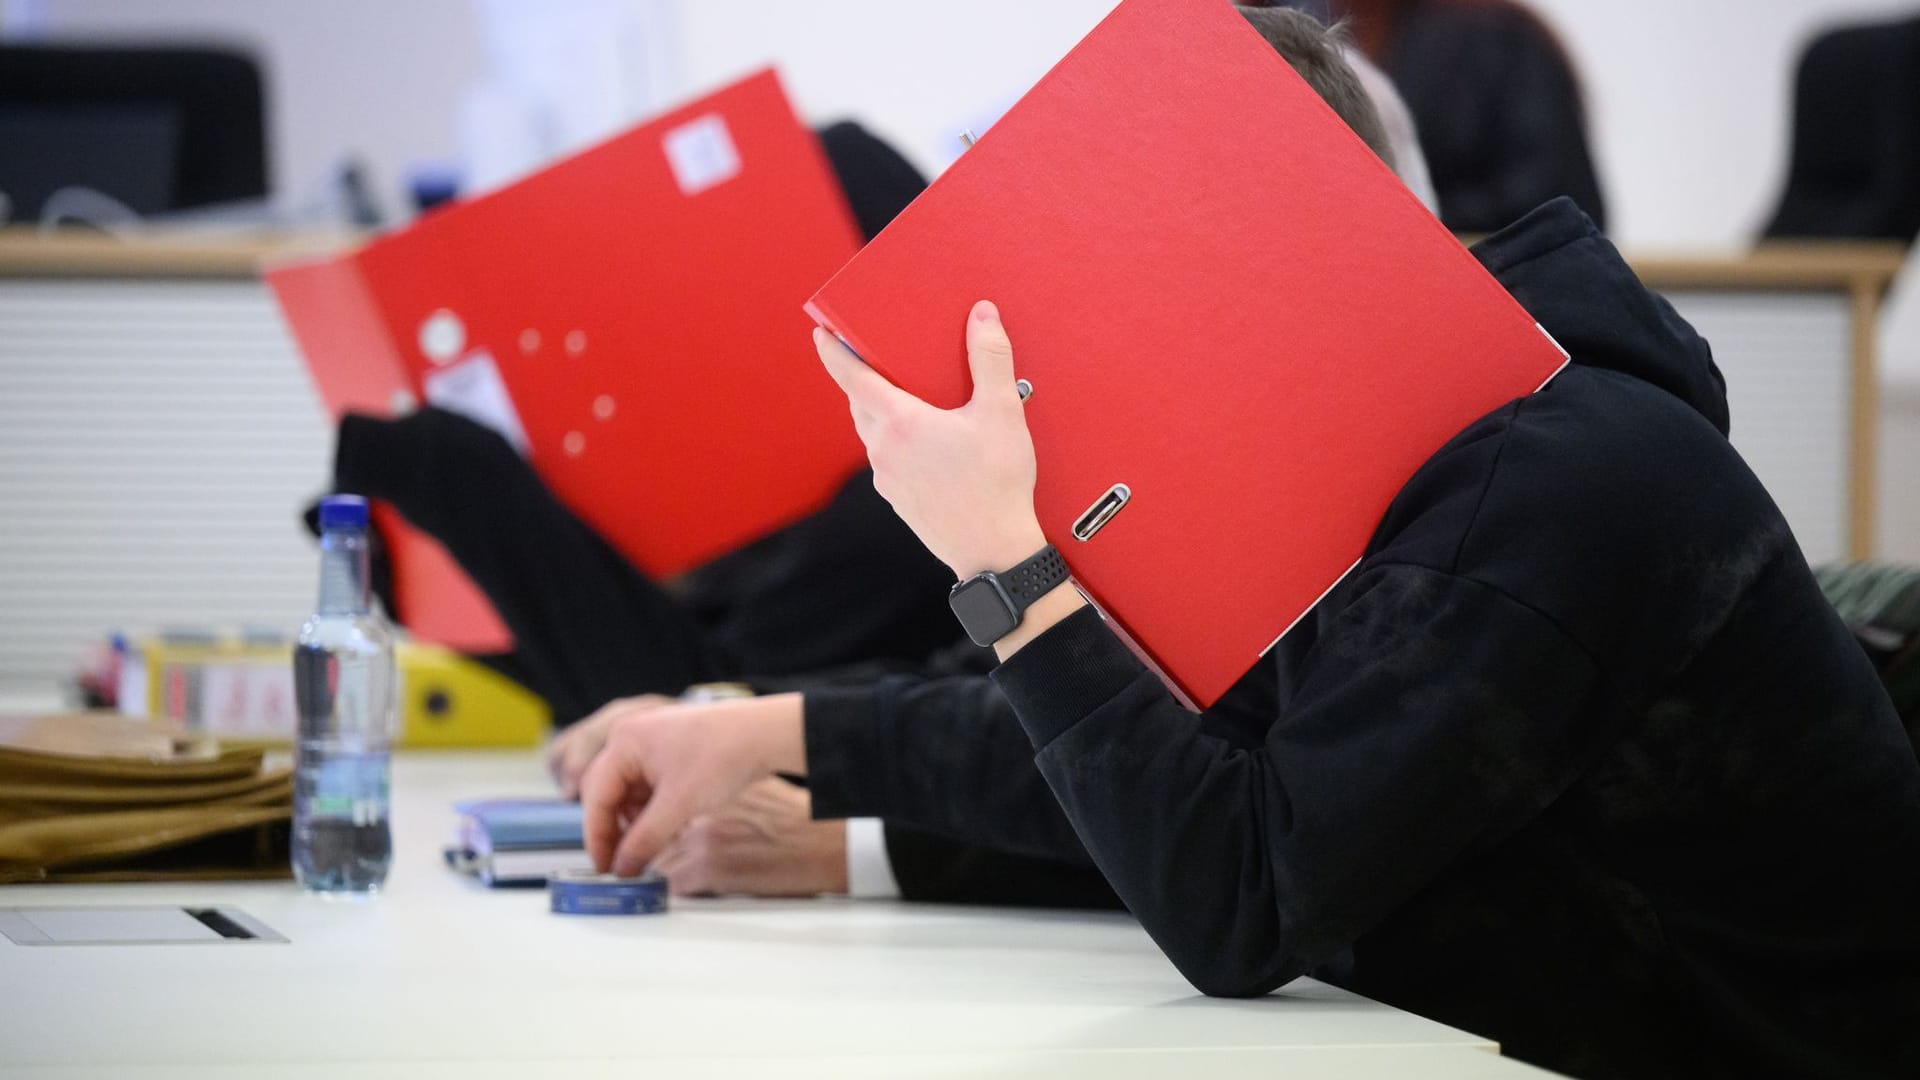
(1242, 333)
(630, 317)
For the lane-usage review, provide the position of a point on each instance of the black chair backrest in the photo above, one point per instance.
(1856, 137)
(200, 113)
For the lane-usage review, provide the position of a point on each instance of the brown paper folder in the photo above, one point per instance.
(102, 798)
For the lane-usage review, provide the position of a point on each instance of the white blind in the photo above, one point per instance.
(1788, 361)
(157, 442)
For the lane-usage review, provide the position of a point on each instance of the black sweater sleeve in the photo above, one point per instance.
(854, 558)
(961, 657)
(587, 625)
(945, 756)
(936, 869)
(1433, 714)
(941, 750)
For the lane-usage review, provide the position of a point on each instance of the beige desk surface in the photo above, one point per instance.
(439, 977)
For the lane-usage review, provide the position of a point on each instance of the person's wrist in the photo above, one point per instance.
(1041, 616)
(831, 862)
(780, 733)
(1009, 548)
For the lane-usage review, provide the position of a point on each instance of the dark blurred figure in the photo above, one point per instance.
(156, 128)
(1494, 96)
(1855, 171)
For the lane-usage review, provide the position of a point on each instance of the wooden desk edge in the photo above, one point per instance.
(26, 253)
(1836, 265)
(1863, 272)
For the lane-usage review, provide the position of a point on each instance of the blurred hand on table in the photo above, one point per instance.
(574, 748)
(763, 843)
(663, 765)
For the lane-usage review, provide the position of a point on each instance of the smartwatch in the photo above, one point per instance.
(990, 605)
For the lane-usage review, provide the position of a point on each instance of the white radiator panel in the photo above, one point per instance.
(157, 442)
(1787, 357)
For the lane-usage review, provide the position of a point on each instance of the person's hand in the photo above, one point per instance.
(763, 843)
(575, 746)
(663, 766)
(961, 479)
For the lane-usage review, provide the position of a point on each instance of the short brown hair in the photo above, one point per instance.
(1314, 50)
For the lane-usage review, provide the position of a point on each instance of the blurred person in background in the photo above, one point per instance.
(1495, 97)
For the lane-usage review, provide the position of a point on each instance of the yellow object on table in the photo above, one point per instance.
(448, 700)
(241, 690)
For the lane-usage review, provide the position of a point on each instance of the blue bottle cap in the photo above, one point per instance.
(343, 512)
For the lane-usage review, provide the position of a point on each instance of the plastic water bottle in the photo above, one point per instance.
(344, 683)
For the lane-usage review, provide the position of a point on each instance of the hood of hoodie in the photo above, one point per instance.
(1573, 281)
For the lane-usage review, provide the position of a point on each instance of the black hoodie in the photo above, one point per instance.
(1578, 758)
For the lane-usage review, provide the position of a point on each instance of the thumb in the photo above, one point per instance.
(990, 355)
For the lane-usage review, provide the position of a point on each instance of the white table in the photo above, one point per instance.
(438, 977)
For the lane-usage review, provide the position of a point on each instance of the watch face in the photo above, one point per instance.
(984, 611)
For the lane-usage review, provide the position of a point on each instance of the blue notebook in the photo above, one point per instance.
(490, 825)
(508, 842)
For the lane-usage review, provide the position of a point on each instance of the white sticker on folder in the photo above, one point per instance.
(702, 154)
(473, 389)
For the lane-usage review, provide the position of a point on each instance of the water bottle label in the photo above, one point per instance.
(351, 787)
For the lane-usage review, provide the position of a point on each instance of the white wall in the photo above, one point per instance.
(1689, 100)
(916, 72)
(1691, 106)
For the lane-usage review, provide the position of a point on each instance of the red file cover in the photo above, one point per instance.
(630, 317)
(1223, 301)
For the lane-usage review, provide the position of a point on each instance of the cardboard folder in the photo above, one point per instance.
(629, 318)
(1242, 333)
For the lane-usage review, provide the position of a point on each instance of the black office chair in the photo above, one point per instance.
(155, 128)
(1856, 137)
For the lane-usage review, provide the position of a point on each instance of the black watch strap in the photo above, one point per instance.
(989, 605)
(1035, 577)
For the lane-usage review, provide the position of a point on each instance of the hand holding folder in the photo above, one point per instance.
(1242, 333)
(962, 478)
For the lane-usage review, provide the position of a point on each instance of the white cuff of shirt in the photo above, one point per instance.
(869, 872)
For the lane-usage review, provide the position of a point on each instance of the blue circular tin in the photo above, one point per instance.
(580, 892)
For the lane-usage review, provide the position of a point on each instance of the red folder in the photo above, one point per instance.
(629, 317)
(1243, 335)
